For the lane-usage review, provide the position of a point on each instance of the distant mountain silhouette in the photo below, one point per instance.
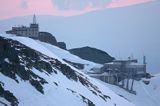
(92, 54)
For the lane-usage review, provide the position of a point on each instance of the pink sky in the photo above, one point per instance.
(13, 8)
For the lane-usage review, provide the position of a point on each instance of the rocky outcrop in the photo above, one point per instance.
(8, 96)
(49, 38)
(92, 54)
(62, 45)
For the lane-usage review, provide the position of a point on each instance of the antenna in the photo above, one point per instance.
(34, 19)
(144, 60)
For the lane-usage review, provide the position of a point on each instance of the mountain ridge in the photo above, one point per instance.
(45, 76)
(92, 54)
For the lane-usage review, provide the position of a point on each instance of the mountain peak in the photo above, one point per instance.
(92, 54)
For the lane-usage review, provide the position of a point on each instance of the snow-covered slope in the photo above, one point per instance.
(52, 50)
(32, 75)
(146, 95)
(66, 55)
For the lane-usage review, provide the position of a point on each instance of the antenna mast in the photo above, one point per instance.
(34, 19)
(144, 60)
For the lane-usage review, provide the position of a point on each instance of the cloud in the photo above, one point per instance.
(78, 7)
(24, 4)
(14, 8)
(10, 8)
(79, 4)
(123, 3)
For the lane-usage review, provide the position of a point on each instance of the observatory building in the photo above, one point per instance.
(32, 31)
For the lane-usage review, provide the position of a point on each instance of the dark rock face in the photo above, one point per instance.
(21, 60)
(90, 103)
(18, 60)
(62, 45)
(92, 54)
(49, 38)
(8, 96)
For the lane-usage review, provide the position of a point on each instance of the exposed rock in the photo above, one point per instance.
(90, 103)
(8, 96)
(92, 54)
(22, 59)
(62, 45)
(48, 38)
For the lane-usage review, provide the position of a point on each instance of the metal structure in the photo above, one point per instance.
(122, 72)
